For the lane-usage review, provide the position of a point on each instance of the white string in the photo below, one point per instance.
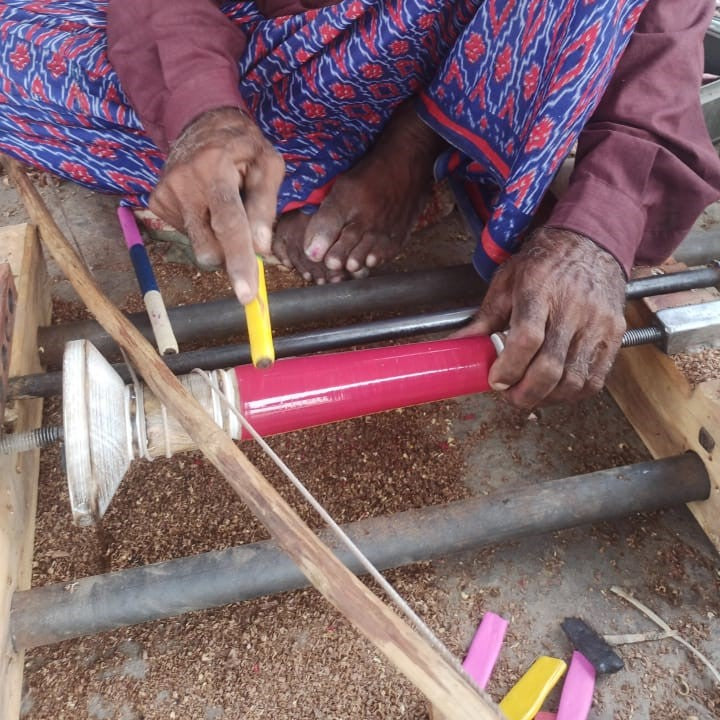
(393, 594)
(166, 430)
(140, 427)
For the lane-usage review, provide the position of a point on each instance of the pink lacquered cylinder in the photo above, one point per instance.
(307, 391)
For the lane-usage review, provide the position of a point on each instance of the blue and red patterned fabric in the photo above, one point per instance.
(509, 83)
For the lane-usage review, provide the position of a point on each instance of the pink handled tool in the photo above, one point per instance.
(485, 648)
(159, 321)
(577, 692)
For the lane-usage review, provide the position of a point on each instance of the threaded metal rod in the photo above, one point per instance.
(44, 436)
(31, 440)
(642, 336)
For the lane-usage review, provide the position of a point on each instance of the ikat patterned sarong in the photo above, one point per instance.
(509, 83)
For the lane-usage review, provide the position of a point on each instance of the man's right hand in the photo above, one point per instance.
(220, 186)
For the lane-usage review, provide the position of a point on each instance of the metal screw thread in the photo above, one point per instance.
(22, 442)
(642, 336)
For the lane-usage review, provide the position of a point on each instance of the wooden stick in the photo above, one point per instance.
(443, 685)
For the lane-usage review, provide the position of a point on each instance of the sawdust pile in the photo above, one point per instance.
(700, 366)
(241, 658)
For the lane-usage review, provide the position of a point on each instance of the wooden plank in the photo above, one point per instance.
(426, 667)
(669, 415)
(19, 473)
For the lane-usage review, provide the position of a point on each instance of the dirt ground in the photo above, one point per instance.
(291, 656)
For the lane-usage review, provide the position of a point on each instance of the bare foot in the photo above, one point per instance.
(370, 210)
(288, 248)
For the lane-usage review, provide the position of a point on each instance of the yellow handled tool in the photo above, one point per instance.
(529, 692)
(257, 315)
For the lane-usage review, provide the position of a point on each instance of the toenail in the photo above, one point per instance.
(320, 281)
(371, 260)
(317, 247)
(306, 276)
(333, 263)
(352, 265)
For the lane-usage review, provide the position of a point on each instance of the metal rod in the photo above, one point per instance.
(50, 384)
(91, 605)
(673, 282)
(302, 306)
(22, 442)
(294, 307)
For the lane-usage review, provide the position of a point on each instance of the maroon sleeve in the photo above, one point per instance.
(175, 60)
(645, 167)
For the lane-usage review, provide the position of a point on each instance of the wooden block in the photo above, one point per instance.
(19, 473)
(669, 415)
(8, 301)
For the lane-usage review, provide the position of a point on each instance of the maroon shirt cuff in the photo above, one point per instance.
(607, 216)
(175, 60)
(197, 95)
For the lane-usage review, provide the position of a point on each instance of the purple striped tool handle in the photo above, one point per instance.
(485, 648)
(154, 304)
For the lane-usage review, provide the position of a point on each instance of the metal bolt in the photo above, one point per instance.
(32, 440)
(642, 336)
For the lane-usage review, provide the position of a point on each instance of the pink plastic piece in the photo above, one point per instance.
(485, 648)
(307, 391)
(545, 716)
(130, 230)
(577, 692)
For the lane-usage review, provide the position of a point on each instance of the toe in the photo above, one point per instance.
(323, 230)
(372, 250)
(288, 239)
(339, 253)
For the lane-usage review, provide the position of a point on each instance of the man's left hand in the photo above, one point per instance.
(562, 298)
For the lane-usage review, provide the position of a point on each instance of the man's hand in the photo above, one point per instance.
(562, 296)
(220, 156)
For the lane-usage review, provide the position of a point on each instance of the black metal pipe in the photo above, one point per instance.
(290, 308)
(673, 282)
(91, 605)
(410, 291)
(50, 384)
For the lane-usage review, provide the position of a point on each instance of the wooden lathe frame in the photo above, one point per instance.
(667, 413)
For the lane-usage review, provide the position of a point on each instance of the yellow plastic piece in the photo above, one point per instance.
(257, 314)
(528, 694)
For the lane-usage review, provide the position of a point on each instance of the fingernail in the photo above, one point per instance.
(499, 386)
(352, 265)
(263, 239)
(333, 263)
(243, 292)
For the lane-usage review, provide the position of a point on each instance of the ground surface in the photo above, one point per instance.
(290, 656)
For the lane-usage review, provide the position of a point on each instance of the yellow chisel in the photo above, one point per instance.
(257, 315)
(529, 692)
